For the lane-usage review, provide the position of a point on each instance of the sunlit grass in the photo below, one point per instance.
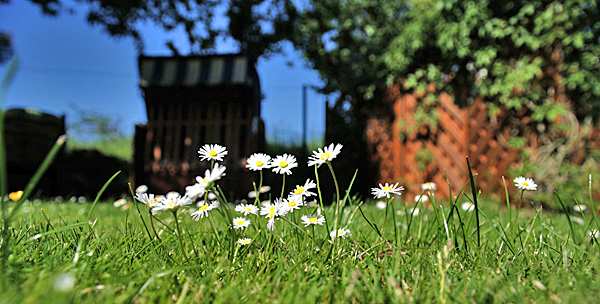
(112, 260)
(120, 147)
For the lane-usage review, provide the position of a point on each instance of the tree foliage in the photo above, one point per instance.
(535, 54)
(257, 26)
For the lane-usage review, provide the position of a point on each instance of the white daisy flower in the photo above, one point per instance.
(428, 186)
(244, 242)
(283, 164)
(342, 232)
(194, 191)
(595, 233)
(258, 161)
(413, 211)
(421, 197)
(246, 209)
(173, 195)
(171, 203)
(323, 155)
(293, 202)
(386, 190)
(579, 208)
(271, 224)
(525, 183)
(141, 189)
(203, 210)
(577, 220)
(64, 282)
(304, 189)
(263, 189)
(380, 205)
(467, 206)
(272, 210)
(312, 220)
(210, 176)
(212, 152)
(240, 223)
(120, 202)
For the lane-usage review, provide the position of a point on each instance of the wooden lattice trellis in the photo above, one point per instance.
(429, 154)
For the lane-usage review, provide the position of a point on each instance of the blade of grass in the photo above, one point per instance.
(592, 202)
(474, 190)
(530, 230)
(140, 213)
(566, 215)
(455, 207)
(369, 222)
(57, 230)
(100, 193)
(499, 234)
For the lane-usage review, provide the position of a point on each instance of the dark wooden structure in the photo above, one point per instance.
(192, 101)
(29, 136)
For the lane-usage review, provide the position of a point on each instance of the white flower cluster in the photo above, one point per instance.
(203, 191)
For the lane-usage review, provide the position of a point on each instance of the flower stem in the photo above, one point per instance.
(282, 187)
(394, 220)
(179, 237)
(257, 199)
(214, 229)
(337, 207)
(321, 200)
(312, 241)
(387, 205)
(518, 208)
(152, 225)
(337, 196)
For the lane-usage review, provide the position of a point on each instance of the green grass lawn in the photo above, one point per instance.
(60, 254)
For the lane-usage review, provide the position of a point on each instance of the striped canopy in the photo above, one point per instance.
(196, 71)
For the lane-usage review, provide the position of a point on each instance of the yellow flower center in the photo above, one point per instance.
(259, 163)
(299, 190)
(525, 184)
(387, 189)
(340, 232)
(292, 204)
(240, 223)
(170, 204)
(312, 220)
(247, 209)
(212, 153)
(203, 207)
(325, 156)
(15, 196)
(245, 241)
(283, 164)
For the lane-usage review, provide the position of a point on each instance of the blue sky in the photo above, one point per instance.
(65, 61)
